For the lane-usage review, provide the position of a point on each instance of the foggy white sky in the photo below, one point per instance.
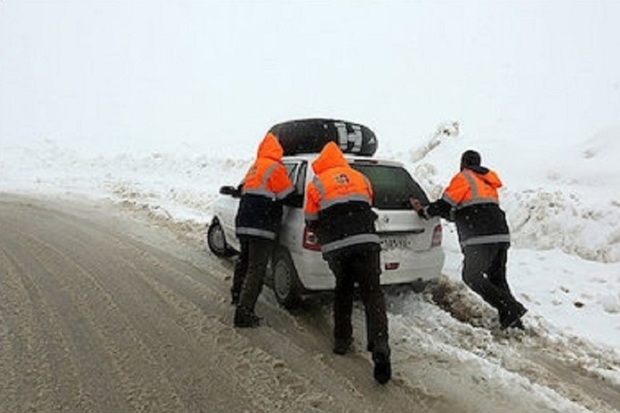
(116, 74)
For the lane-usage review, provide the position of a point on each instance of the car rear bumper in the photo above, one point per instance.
(315, 275)
(411, 266)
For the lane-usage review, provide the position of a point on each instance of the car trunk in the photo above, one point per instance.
(397, 224)
(401, 229)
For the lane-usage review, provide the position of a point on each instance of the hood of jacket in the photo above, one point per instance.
(270, 148)
(330, 157)
(487, 175)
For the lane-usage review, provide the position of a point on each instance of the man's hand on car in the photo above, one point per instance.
(415, 204)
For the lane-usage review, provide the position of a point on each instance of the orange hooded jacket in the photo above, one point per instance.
(265, 184)
(268, 176)
(469, 188)
(339, 200)
(471, 200)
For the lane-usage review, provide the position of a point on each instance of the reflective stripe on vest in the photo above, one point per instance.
(311, 216)
(319, 186)
(352, 240)
(486, 239)
(285, 193)
(256, 232)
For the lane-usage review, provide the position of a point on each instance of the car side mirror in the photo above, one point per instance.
(230, 190)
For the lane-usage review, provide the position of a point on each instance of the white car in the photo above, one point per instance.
(411, 246)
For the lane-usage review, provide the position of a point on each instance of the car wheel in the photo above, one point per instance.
(286, 284)
(216, 240)
(421, 286)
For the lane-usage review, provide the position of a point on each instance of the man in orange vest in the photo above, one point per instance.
(483, 234)
(258, 219)
(338, 209)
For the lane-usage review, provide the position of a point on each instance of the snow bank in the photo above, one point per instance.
(570, 202)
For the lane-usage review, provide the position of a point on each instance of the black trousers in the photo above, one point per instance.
(484, 271)
(250, 270)
(241, 268)
(362, 267)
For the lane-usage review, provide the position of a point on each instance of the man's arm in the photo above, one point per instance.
(438, 208)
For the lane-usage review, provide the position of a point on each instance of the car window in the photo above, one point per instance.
(297, 175)
(392, 186)
(301, 178)
(291, 168)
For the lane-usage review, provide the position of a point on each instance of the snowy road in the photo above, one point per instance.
(103, 309)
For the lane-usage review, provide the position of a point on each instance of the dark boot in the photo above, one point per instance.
(512, 317)
(244, 318)
(342, 345)
(518, 325)
(381, 359)
(235, 297)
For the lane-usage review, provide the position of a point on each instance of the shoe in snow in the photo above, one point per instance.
(512, 318)
(342, 345)
(245, 318)
(383, 367)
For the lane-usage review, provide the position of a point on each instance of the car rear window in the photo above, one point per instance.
(392, 186)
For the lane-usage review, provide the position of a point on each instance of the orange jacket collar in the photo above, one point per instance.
(490, 178)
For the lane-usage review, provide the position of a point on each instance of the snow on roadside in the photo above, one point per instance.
(569, 201)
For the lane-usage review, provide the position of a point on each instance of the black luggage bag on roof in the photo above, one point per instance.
(311, 135)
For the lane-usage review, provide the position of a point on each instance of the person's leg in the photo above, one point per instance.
(496, 272)
(367, 270)
(259, 251)
(478, 259)
(241, 269)
(343, 303)
(497, 275)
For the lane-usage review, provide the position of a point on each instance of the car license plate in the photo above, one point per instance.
(393, 242)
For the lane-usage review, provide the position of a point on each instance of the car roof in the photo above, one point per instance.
(309, 157)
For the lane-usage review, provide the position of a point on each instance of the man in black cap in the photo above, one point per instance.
(472, 201)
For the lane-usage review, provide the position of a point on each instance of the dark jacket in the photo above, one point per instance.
(263, 189)
(472, 202)
(338, 205)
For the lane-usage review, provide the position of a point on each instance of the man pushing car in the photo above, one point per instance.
(258, 219)
(338, 209)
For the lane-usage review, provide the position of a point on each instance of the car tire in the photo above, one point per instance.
(216, 240)
(286, 285)
(422, 286)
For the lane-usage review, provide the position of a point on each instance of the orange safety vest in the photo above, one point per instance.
(468, 188)
(336, 182)
(268, 176)
(267, 181)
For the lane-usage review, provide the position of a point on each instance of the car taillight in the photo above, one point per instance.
(311, 240)
(392, 265)
(437, 235)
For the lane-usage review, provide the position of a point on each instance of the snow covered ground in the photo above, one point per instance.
(562, 201)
